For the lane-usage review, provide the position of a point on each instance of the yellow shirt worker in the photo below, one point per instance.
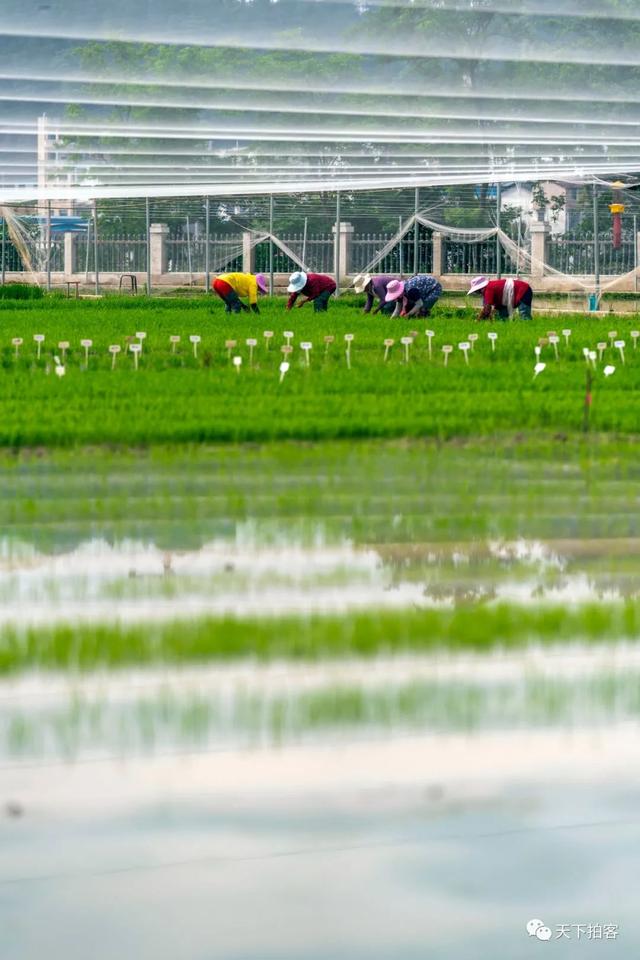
(231, 287)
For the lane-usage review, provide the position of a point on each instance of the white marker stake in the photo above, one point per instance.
(602, 346)
(195, 340)
(566, 334)
(593, 356)
(237, 362)
(620, 345)
(288, 335)
(251, 343)
(39, 339)
(306, 346)
(537, 350)
(141, 336)
(464, 346)
(17, 343)
(348, 337)
(539, 367)
(388, 343)
(63, 346)
(634, 336)
(286, 349)
(447, 349)
(174, 340)
(328, 340)
(472, 337)
(229, 344)
(585, 353)
(268, 335)
(114, 350)
(554, 340)
(87, 344)
(60, 370)
(406, 343)
(609, 369)
(136, 349)
(612, 335)
(429, 334)
(493, 337)
(284, 366)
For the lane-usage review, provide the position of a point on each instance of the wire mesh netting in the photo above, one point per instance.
(455, 233)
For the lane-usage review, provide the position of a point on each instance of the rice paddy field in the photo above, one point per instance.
(347, 653)
(184, 392)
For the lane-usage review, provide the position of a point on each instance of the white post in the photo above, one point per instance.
(539, 247)
(158, 236)
(342, 245)
(436, 257)
(70, 254)
(248, 253)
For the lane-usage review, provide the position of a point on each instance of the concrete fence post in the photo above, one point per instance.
(436, 254)
(158, 245)
(70, 254)
(539, 247)
(345, 240)
(248, 252)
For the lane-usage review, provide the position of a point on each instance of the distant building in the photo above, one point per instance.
(562, 220)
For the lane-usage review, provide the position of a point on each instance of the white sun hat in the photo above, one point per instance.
(361, 282)
(297, 281)
(478, 283)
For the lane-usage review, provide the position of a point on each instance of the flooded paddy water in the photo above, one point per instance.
(373, 700)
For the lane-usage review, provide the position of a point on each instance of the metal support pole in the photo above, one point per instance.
(596, 242)
(498, 244)
(48, 244)
(401, 264)
(304, 241)
(635, 252)
(416, 225)
(4, 242)
(147, 214)
(207, 260)
(95, 247)
(336, 249)
(271, 245)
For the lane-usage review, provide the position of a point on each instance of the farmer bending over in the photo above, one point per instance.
(230, 287)
(415, 296)
(374, 287)
(503, 296)
(313, 286)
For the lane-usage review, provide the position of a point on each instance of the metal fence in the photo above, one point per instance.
(475, 258)
(574, 253)
(400, 259)
(39, 252)
(126, 253)
(188, 254)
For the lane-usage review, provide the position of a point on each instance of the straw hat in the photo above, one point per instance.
(478, 283)
(395, 289)
(361, 282)
(297, 281)
(261, 280)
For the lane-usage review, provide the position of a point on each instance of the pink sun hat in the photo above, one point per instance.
(478, 283)
(261, 280)
(394, 290)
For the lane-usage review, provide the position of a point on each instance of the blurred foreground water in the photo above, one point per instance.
(411, 803)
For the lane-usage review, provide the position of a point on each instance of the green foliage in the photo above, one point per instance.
(20, 291)
(315, 637)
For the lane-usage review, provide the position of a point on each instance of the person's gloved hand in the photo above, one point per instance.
(255, 308)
